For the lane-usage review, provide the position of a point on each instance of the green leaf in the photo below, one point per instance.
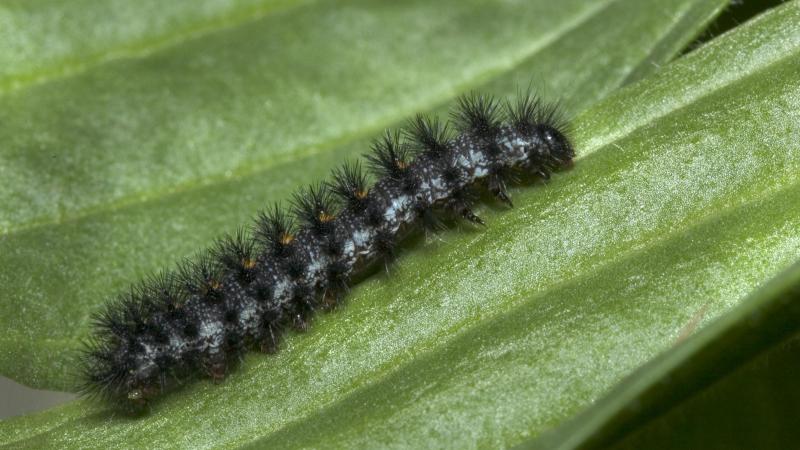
(732, 385)
(124, 168)
(756, 406)
(44, 39)
(684, 200)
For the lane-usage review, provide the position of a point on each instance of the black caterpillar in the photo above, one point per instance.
(244, 291)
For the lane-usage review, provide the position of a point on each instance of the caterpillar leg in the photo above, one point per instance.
(497, 186)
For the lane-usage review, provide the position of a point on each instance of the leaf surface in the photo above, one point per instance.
(684, 200)
(130, 165)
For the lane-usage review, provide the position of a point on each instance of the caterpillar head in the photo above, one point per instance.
(538, 148)
(555, 149)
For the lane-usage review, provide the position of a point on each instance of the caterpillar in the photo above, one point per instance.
(250, 286)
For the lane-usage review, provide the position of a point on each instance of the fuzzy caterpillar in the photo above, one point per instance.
(249, 287)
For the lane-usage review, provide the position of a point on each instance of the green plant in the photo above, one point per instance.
(127, 147)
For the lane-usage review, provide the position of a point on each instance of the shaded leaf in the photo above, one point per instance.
(732, 385)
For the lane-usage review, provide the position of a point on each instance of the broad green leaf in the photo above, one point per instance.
(732, 385)
(126, 167)
(685, 199)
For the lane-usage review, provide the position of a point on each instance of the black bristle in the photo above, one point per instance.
(295, 266)
(478, 114)
(524, 112)
(201, 276)
(261, 289)
(141, 303)
(236, 253)
(165, 289)
(315, 207)
(409, 183)
(529, 112)
(148, 301)
(274, 231)
(389, 157)
(112, 322)
(429, 135)
(103, 370)
(350, 185)
(452, 173)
